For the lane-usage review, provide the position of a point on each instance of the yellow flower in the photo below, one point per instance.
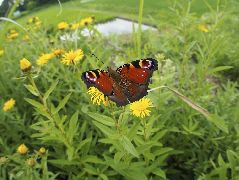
(25, 65)
(42, 151)
(38, 23)
(140, 108)
(1, 52)
(63, 25)
(22, 149)
(75, 26)
(58, 52)
(26, 38)
(31, 162)
(86, 21)
(72, 57)
(9, 104)
(13, 35)
(44, 58)
(12, 31)
(97, 97)
(33, 20)
(203, 28)
(30, 20)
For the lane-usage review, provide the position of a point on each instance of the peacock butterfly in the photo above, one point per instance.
(127, 84)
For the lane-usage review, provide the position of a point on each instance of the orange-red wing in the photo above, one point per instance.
(104, 83)
(99, 79)
(139, 71)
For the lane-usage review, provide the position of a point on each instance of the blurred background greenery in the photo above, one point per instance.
(196, 45)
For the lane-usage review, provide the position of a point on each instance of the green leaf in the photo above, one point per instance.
(91, 159)
(90, 170)
(160, 173)
(133, 130)
(34, 103)
(219, 68)
(62, 103)
(108, 121)
(106, 130)
(49, 91)
(159, 135)
(64, 162)
(220, 123)
(162, 151)
(232, 158)
(31, 89)
(70, 152)
(83, 143)
(128, 146)
(73, 127)
(221, 162)
(104, 177)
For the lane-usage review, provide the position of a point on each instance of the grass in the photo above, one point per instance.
(104, 10)
(179, 139)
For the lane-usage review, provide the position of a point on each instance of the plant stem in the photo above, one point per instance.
(141, 5)
(186, 100)
(44, 103)
(144, 125)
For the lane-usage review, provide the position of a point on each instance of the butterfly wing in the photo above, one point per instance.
(136, 76)
(104, 83)
(139, 71)
(98, 79)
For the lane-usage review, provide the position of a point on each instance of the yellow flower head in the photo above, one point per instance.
(87, 21)
(1, 52)
(34, 23)
(72, 57)
(12, 31)
(30, 20)
(9, 104)
(25, 65)
(22, 149)
(13, 34)
(31, 162)
(63, 25)
(97, 97)
(33, 20)
(58, 52)
(140, 108)
(75, 26)
(203, 28)
(42, 151)
(38, 24)
(26, 38)
(44, 58)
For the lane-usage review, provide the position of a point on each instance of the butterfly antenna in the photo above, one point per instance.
(97, 58)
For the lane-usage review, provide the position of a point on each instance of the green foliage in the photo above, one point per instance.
(192, 131)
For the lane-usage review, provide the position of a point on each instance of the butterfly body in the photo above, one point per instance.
(127, 84)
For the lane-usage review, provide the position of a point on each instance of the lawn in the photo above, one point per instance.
(52, 126)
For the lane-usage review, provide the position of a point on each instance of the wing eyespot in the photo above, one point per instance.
(91, 76)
